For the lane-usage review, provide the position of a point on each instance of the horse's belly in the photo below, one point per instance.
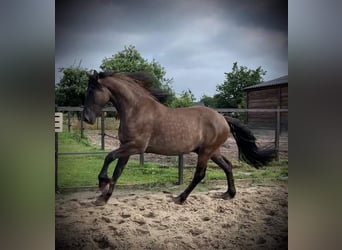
(171, 146)
(163, 151)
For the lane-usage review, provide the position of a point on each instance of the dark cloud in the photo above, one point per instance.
(195, 40)
(267, 14)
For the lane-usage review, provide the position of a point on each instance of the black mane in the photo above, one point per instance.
(106, 74)
(144, 80)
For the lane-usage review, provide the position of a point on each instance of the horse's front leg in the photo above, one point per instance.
(103, 177)
(108, 190)
(106, 185)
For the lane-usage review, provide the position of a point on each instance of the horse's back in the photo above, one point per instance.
(183, 130)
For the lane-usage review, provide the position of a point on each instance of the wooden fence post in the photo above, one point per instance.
(56, 162)
(180, 169)
(239, 154)
(141, 159)
(277, 133)
(58, 128)
(82, 128)
(69, 123)
(102, 131)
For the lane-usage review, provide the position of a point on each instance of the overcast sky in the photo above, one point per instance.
(196, 41)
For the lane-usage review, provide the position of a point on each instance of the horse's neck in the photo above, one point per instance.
(128, 102)
(119, 98)
(120, 107)
(128, 110)
(125, 105)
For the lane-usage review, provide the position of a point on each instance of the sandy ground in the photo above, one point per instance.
(255, 219)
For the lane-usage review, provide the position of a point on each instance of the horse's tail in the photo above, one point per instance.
(245, 140)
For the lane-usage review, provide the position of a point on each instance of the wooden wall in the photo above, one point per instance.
(267, 98)
(285, 105)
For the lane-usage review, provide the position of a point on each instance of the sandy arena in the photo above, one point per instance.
(255, 219)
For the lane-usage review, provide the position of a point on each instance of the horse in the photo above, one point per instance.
(148, 126)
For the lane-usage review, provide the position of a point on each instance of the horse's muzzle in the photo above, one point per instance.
(88, 117)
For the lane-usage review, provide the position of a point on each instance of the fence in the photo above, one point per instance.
(280, 145)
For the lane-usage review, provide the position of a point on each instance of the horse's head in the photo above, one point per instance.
(96, 98)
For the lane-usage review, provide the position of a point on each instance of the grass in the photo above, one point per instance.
(72, 142)
(82, 170)
(111, 124)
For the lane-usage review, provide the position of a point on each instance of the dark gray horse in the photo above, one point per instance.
(148, 126)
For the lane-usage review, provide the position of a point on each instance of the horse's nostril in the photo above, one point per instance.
(88, 117)
(85, 117)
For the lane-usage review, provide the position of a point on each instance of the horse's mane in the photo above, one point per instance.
(142, 79)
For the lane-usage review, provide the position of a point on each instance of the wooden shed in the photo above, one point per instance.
(268, 95)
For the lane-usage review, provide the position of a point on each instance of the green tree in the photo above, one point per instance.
(130, 60)
(230, 93)
(186, 99)
(71, 89)
(209, 101)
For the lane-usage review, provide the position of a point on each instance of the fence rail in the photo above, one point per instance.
(277, 131)
(250, 110)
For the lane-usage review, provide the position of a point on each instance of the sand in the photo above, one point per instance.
(255, 219)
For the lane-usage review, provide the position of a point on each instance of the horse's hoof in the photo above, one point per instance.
(100, 201)
(228, 196)
(178, 200)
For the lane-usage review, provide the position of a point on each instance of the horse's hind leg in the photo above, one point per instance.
(198, 176)
(226, 165)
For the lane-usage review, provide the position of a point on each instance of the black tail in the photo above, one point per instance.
(245, 141)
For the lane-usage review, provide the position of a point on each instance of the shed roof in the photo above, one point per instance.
(277, 81)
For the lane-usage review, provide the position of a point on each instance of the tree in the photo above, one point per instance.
(130, 60)
(72, 87)
(231, 93)
(209, 101)
(186, 99)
